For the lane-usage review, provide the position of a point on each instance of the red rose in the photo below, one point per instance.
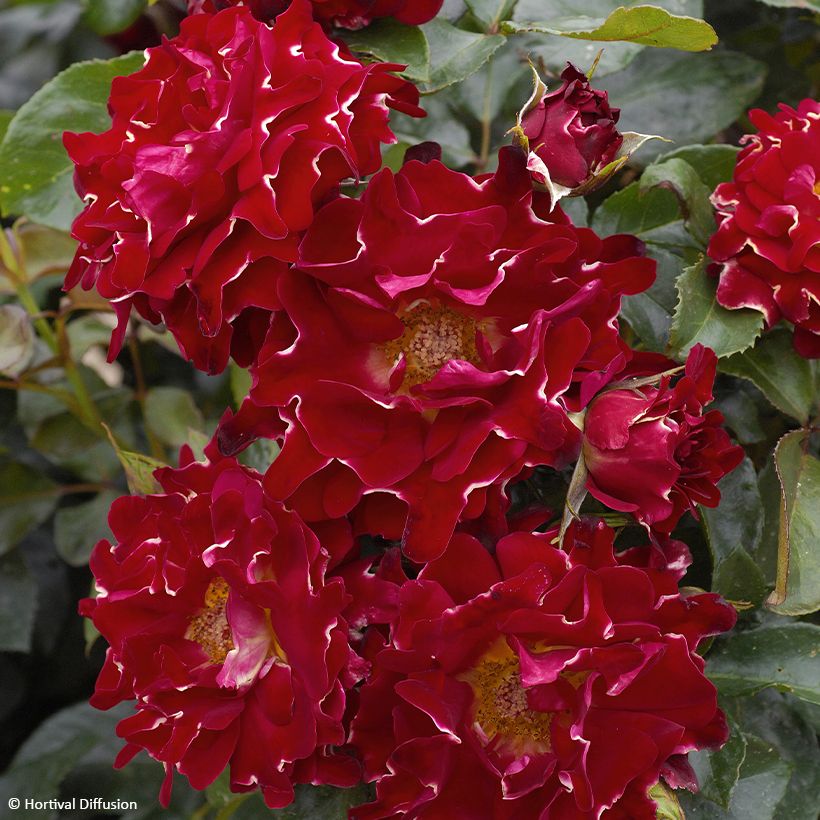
(652, 451)
(220, 148)
(345, 13)
(196, 599)
(540, 684)
(433, 336)
(571, 132)
(768, 239)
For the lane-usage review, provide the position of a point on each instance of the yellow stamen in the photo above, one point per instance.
(501, 708)
(433, 336)
(209, 627)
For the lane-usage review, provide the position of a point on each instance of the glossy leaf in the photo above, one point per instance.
(171, 413)
(77, 529)
(718, 771)
(653, 216)
(392, 42)
(107, 17)
(733, 530)
(491, 12)
(763, 779)
(36, 175)
(797, 589)
(814, 5)
(714, 163)
(784, 656)
(643, 24)
(323, 802)
(27, 498)
(787, 380)
(699, 319)
(687, 98)
(649, 313)
(693, 195)
(455, 54)
(18, 604)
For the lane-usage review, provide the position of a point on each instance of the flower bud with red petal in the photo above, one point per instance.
(652, 450)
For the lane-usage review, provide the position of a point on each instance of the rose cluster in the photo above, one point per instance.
(379, 605)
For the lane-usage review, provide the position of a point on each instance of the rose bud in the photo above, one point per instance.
(652, 451)
(572, 131)
(571, 137)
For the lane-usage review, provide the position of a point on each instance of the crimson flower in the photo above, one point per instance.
(433, 336)
(768, 240)
(196, 600)
(220, 149)
(571, 131)
(653, 452)
(345, 13)
(539, 684)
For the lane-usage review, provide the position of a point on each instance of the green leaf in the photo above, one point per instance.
(643, 25)
(27, 498)
(392, 42)
(112, 16)
(77, 529)
(653, 216)
(240, 380)
(741, 411)
(780, 721)
(6, 117)
(491, 12)
(260, 454)
(666, 801)
(139, 469)
(783, 656)
(44, 250)
(18, 604)
(171, 412)
(713, 163)
(455, 54)
(323, 801)
(814, 5)
(699, 319)
(797, 588)
(68, 443)
(718, 771)
(732, 530)
(35, 170)
(771, 496)
(687, 98)
(693, 196)
(16, 340)
(650, 313)
(763, 780)
(786, 379)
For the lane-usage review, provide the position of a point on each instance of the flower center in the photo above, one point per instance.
(209, 627)
(432, 337)
(501, 708)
